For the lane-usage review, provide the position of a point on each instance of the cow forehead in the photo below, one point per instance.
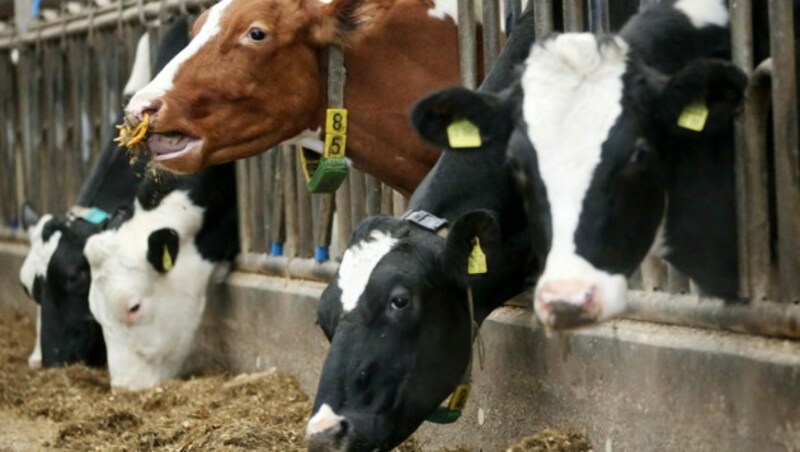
(164, 81)
(573, 89)
(357, 265)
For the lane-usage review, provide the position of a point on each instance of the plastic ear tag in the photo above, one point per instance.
(463, 134)
(476, 264)
(694, 117)
(459, 398)
(166, 260)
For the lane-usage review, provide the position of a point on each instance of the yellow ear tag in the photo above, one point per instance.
(476, 264)
(694, 117)
(166, 260)
(463, 134)
(459, 398)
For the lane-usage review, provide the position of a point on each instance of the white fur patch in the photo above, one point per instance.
(163, 82)
(442, 9)
(39, 255)
(35, 358)
(704, 12)
(357, 264)
(324, 419)
(150, 345)
(141, 71)
(573, 91)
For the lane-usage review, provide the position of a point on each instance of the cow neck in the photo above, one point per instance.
(387, 72)
(458, 399)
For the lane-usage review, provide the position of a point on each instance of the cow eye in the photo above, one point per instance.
(257, 34)
(399, 299)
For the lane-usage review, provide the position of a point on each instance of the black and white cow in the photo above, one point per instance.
(55, 272)
(396, 312)
(150, 273)
(622, 144)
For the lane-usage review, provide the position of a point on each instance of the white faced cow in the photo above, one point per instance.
(150, 274)
(617, 137)
(55, 272)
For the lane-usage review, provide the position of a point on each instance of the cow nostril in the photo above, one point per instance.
(135, 308)
(344, 428)
(152, 107)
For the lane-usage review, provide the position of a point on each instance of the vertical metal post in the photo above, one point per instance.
(543, 18)
(599, 21)
(491, 33)
(573, 15)
(467, 43)
(243, 196)
(787, 160)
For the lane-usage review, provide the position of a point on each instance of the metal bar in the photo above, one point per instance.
(102, 18)
(491, 33)
(599, 17)
(752, 189)
(343, 218)
(764, 319)
(358, 208)
(399, 203)
(787, 160)
(305, 229)
(243, 196)
(543, 18)
(573, 15)
(290, 200)
(278, 225)
(467, 43)
(386, 200)
(372, 187)
(255, 213)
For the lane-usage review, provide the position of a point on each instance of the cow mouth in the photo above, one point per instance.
(169, 145)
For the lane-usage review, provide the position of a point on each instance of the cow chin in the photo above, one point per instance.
(565, 301)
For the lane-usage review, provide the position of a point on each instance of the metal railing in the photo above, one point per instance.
(58, 101)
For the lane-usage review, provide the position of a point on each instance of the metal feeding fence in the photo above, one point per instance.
(60, 85)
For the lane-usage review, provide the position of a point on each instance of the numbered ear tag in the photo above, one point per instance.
(166, 260)
(463, 134)
(459, 398)
(335, 133)
(476, 264)
(694, 117)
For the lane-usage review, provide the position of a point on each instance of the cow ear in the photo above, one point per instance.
(472, 247)
(460, 118)
(329, 309)
(198, 23)
(120, 215)
(29, 216)
(344, 22)
(703, 96)
(162, 249)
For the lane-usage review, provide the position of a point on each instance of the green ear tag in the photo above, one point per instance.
(463, 134)
(476, 264)
(694, 117)
(166, 260)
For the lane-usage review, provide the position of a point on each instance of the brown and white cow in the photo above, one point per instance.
(254, 75)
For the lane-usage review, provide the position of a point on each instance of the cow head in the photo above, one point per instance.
(599, 129)
(249, 79)
(400, 330)
(148, 289)
(56, 275)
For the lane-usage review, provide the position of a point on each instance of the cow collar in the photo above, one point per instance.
(427, 221)
(93, 215)
(447, 414)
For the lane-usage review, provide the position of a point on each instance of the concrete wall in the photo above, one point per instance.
(631, 386)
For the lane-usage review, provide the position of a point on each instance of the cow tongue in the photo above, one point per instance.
(170, 143)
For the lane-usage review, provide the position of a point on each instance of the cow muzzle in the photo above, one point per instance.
(333, 438)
